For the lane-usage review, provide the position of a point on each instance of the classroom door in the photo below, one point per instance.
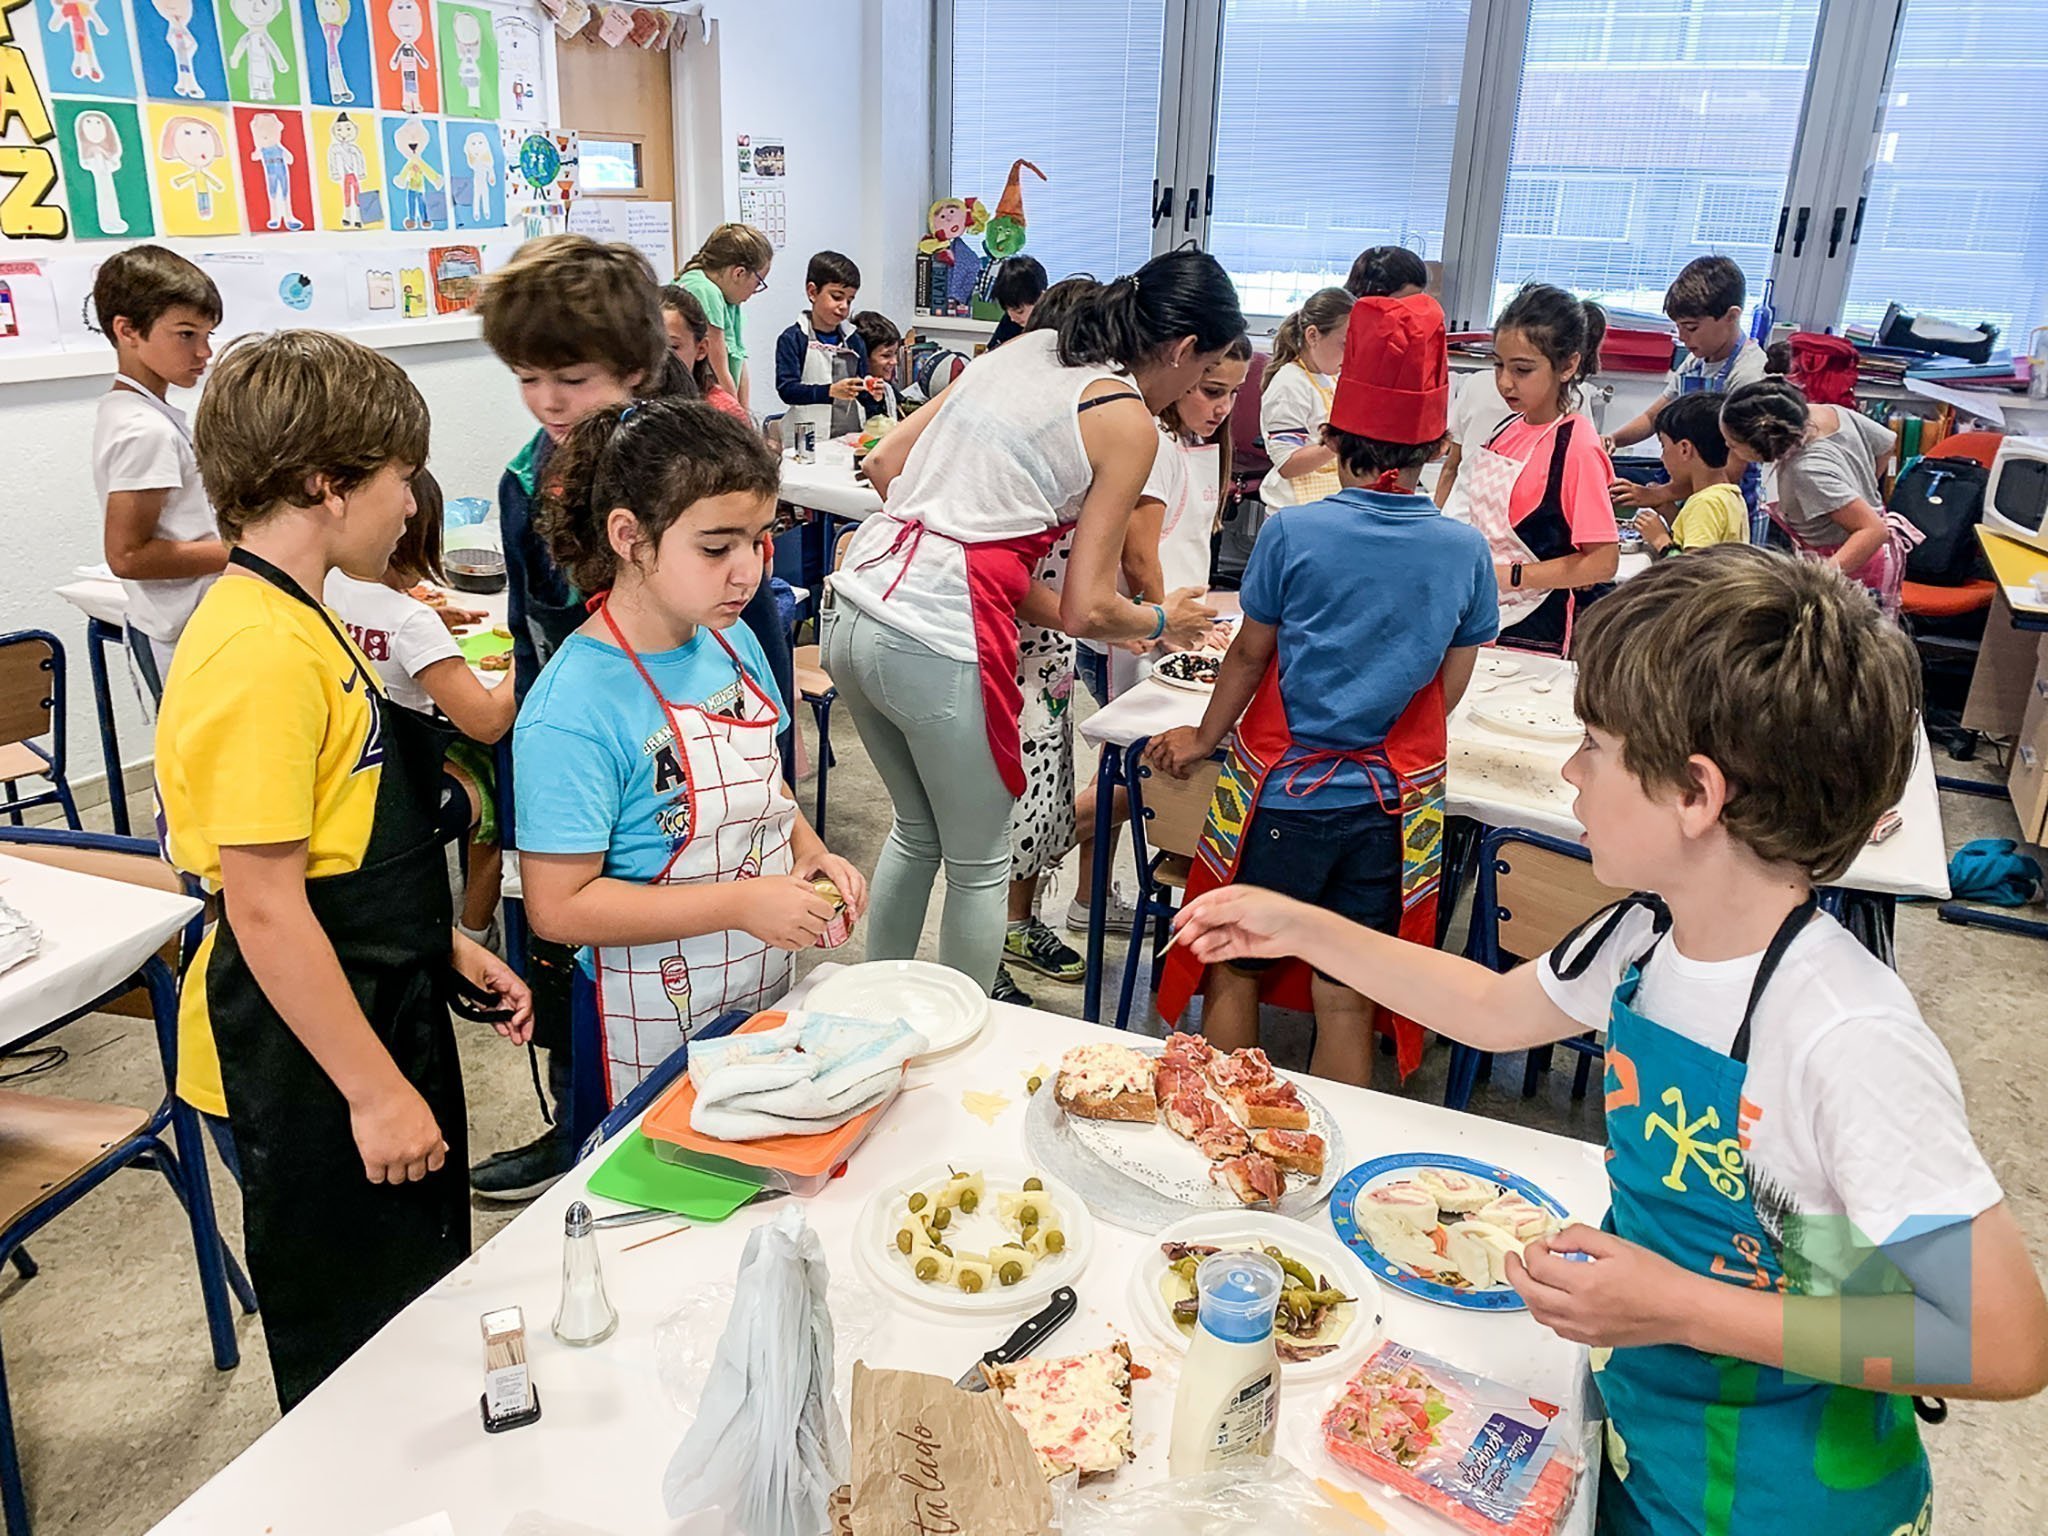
(620, 101)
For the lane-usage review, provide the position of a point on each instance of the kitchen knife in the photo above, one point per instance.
(1032, 1332)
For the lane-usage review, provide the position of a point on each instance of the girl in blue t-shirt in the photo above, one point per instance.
(653, 821)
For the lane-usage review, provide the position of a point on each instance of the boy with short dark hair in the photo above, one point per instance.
(1695, 454)
(1020, 282)
(884, 343)
(1705, 301)
(315, 1015)
(820, 361)
(1363, 615)
(159, 311)
(1801, 1230)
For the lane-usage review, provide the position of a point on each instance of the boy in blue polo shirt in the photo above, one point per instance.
(1363, 613)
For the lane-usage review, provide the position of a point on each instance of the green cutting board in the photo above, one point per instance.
(482, 643)
(634, 1175)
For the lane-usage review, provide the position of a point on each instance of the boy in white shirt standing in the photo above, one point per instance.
(159, 311)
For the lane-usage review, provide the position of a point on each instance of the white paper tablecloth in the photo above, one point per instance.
(1504, 780)
(828, 484)
(96, 933)
(394, 1437)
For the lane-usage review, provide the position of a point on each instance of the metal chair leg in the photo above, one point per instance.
(1583, 1077)
(71, 807)
(27, 1267)
(13, 1498)
(821, 712)
(1464, 1071)
(13, 804)
(1539, 1063)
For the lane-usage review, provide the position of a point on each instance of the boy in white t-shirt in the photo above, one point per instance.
(159, 311)
(1801, 1230)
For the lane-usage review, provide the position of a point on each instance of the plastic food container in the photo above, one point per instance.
(803, 1165)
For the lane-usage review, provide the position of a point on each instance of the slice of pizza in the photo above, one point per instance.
(1076, 1409)
(1294, 1151)
(1106, 1082)
(1254, 1178)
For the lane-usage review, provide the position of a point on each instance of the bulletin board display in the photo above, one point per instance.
(337, 163)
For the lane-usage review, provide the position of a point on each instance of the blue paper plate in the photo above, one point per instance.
(1344, 1201)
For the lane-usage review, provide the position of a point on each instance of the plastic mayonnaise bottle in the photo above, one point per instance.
(1229, 1397)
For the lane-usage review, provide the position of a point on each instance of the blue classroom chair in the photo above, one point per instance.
(32, 711)
(1167, 816)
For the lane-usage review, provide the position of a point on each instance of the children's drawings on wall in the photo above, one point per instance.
(28, 309)
(469, 55)
(106, 177)
(277, 190)
(180, 45)
(85, 47)
(347, 171)
(402, 42)
(194, 177)
(457, 273)
(337, 34)
(476, 175)
(263, 62)
(519, 74)
(29, 206)
(417, 174)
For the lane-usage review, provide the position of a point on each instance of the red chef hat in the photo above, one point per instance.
(1396, 383)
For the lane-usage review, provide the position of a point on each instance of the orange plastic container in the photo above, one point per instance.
(801, 1164)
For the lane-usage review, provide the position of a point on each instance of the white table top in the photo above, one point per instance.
(402, 1415)
(827, 485)
(1505, 780)
(96, 933)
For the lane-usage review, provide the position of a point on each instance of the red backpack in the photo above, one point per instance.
(1824, 367)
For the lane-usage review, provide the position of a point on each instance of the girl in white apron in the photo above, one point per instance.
(1295, 397)
(651, 808)
(1538, 488)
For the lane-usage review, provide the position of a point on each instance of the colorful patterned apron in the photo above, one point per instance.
(1414, 753)
(735, 825)
(1712, 1445)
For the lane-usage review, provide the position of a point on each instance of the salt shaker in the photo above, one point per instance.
(586, 1315)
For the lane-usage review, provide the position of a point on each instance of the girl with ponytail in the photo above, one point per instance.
(654, 821)
(1538, 489)
(1295, 396)
(730, 267)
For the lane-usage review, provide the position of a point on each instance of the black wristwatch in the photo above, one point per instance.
(1515, 575)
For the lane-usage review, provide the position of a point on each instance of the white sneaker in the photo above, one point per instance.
(1116, 920)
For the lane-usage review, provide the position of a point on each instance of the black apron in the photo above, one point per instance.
(333, 1256)
(1548, 533)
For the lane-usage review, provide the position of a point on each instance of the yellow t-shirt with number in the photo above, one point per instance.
(1714, 514)
(267, 734)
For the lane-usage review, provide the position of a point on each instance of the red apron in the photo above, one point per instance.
(999, 573)
(1414, 752)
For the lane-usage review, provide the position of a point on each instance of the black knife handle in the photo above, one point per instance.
(1035, 1328)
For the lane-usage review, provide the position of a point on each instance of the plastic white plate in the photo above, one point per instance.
(874, 1238)
(1319, 1250)
(935, 1000)
(1185, 685)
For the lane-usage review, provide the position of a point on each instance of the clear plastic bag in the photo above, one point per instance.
(686, 1339)
(1246, 1498)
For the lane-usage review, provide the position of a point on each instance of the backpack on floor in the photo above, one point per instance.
(1944, 499)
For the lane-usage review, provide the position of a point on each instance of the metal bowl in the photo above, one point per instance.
(474, 569)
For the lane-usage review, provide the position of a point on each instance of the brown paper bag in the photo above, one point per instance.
(932, 1460)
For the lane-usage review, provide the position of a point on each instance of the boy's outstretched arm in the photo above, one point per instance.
(1446, 993)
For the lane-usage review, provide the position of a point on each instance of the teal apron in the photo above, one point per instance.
(1709, 1444)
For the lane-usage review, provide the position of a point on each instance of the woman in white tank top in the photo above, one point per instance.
(1053, 431)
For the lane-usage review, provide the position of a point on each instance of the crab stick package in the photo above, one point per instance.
(1483, 1455)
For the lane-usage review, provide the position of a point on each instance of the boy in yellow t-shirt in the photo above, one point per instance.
(1696, 458)
(315, 1016)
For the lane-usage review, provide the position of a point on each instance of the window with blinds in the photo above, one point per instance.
(1073, 87)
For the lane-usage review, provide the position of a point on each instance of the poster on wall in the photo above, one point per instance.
(338, 47)
(180, 46)
(106, 175)
(476, 174)
(194, 177)
(540, 180)
(277, 188)
(28, 309)
(519, 73)
(469, 52)
(767, 209)
(378, 281)
(456, 273)
(263, 59)
(402, 45)
(85, 47)
(416, 175)
(347, 171)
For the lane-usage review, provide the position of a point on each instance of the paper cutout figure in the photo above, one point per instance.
(181, 56)
(350, 188)
(458, 274)
(382, 288)
(193, 183)
(518, 69)
(9, 326)
(952, 220)
(81, 18)
(99, 156)
(469, 38)
(277, 188)
(405, 56)
(296, 290)
(341, 73)
(106, 170)
(85, 47)
(1005, 236)
(418, 196)
(412, 288)
(259, 66)
(476, 176)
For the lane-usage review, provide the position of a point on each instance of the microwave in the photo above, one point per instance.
(2016, 497)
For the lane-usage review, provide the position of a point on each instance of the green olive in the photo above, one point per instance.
(1032, 1085)
(1033, 1184)
(1010, 1273)
(927, 1268)
(905, 1241)
(1055, 1241)
(970, 1280)
(944, 1249)
(918, 1201)
(1027, 1214)
(1026, 1232)
(968, 1200)
(943, 1219)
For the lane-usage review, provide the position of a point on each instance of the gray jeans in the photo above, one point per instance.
(920, 717)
